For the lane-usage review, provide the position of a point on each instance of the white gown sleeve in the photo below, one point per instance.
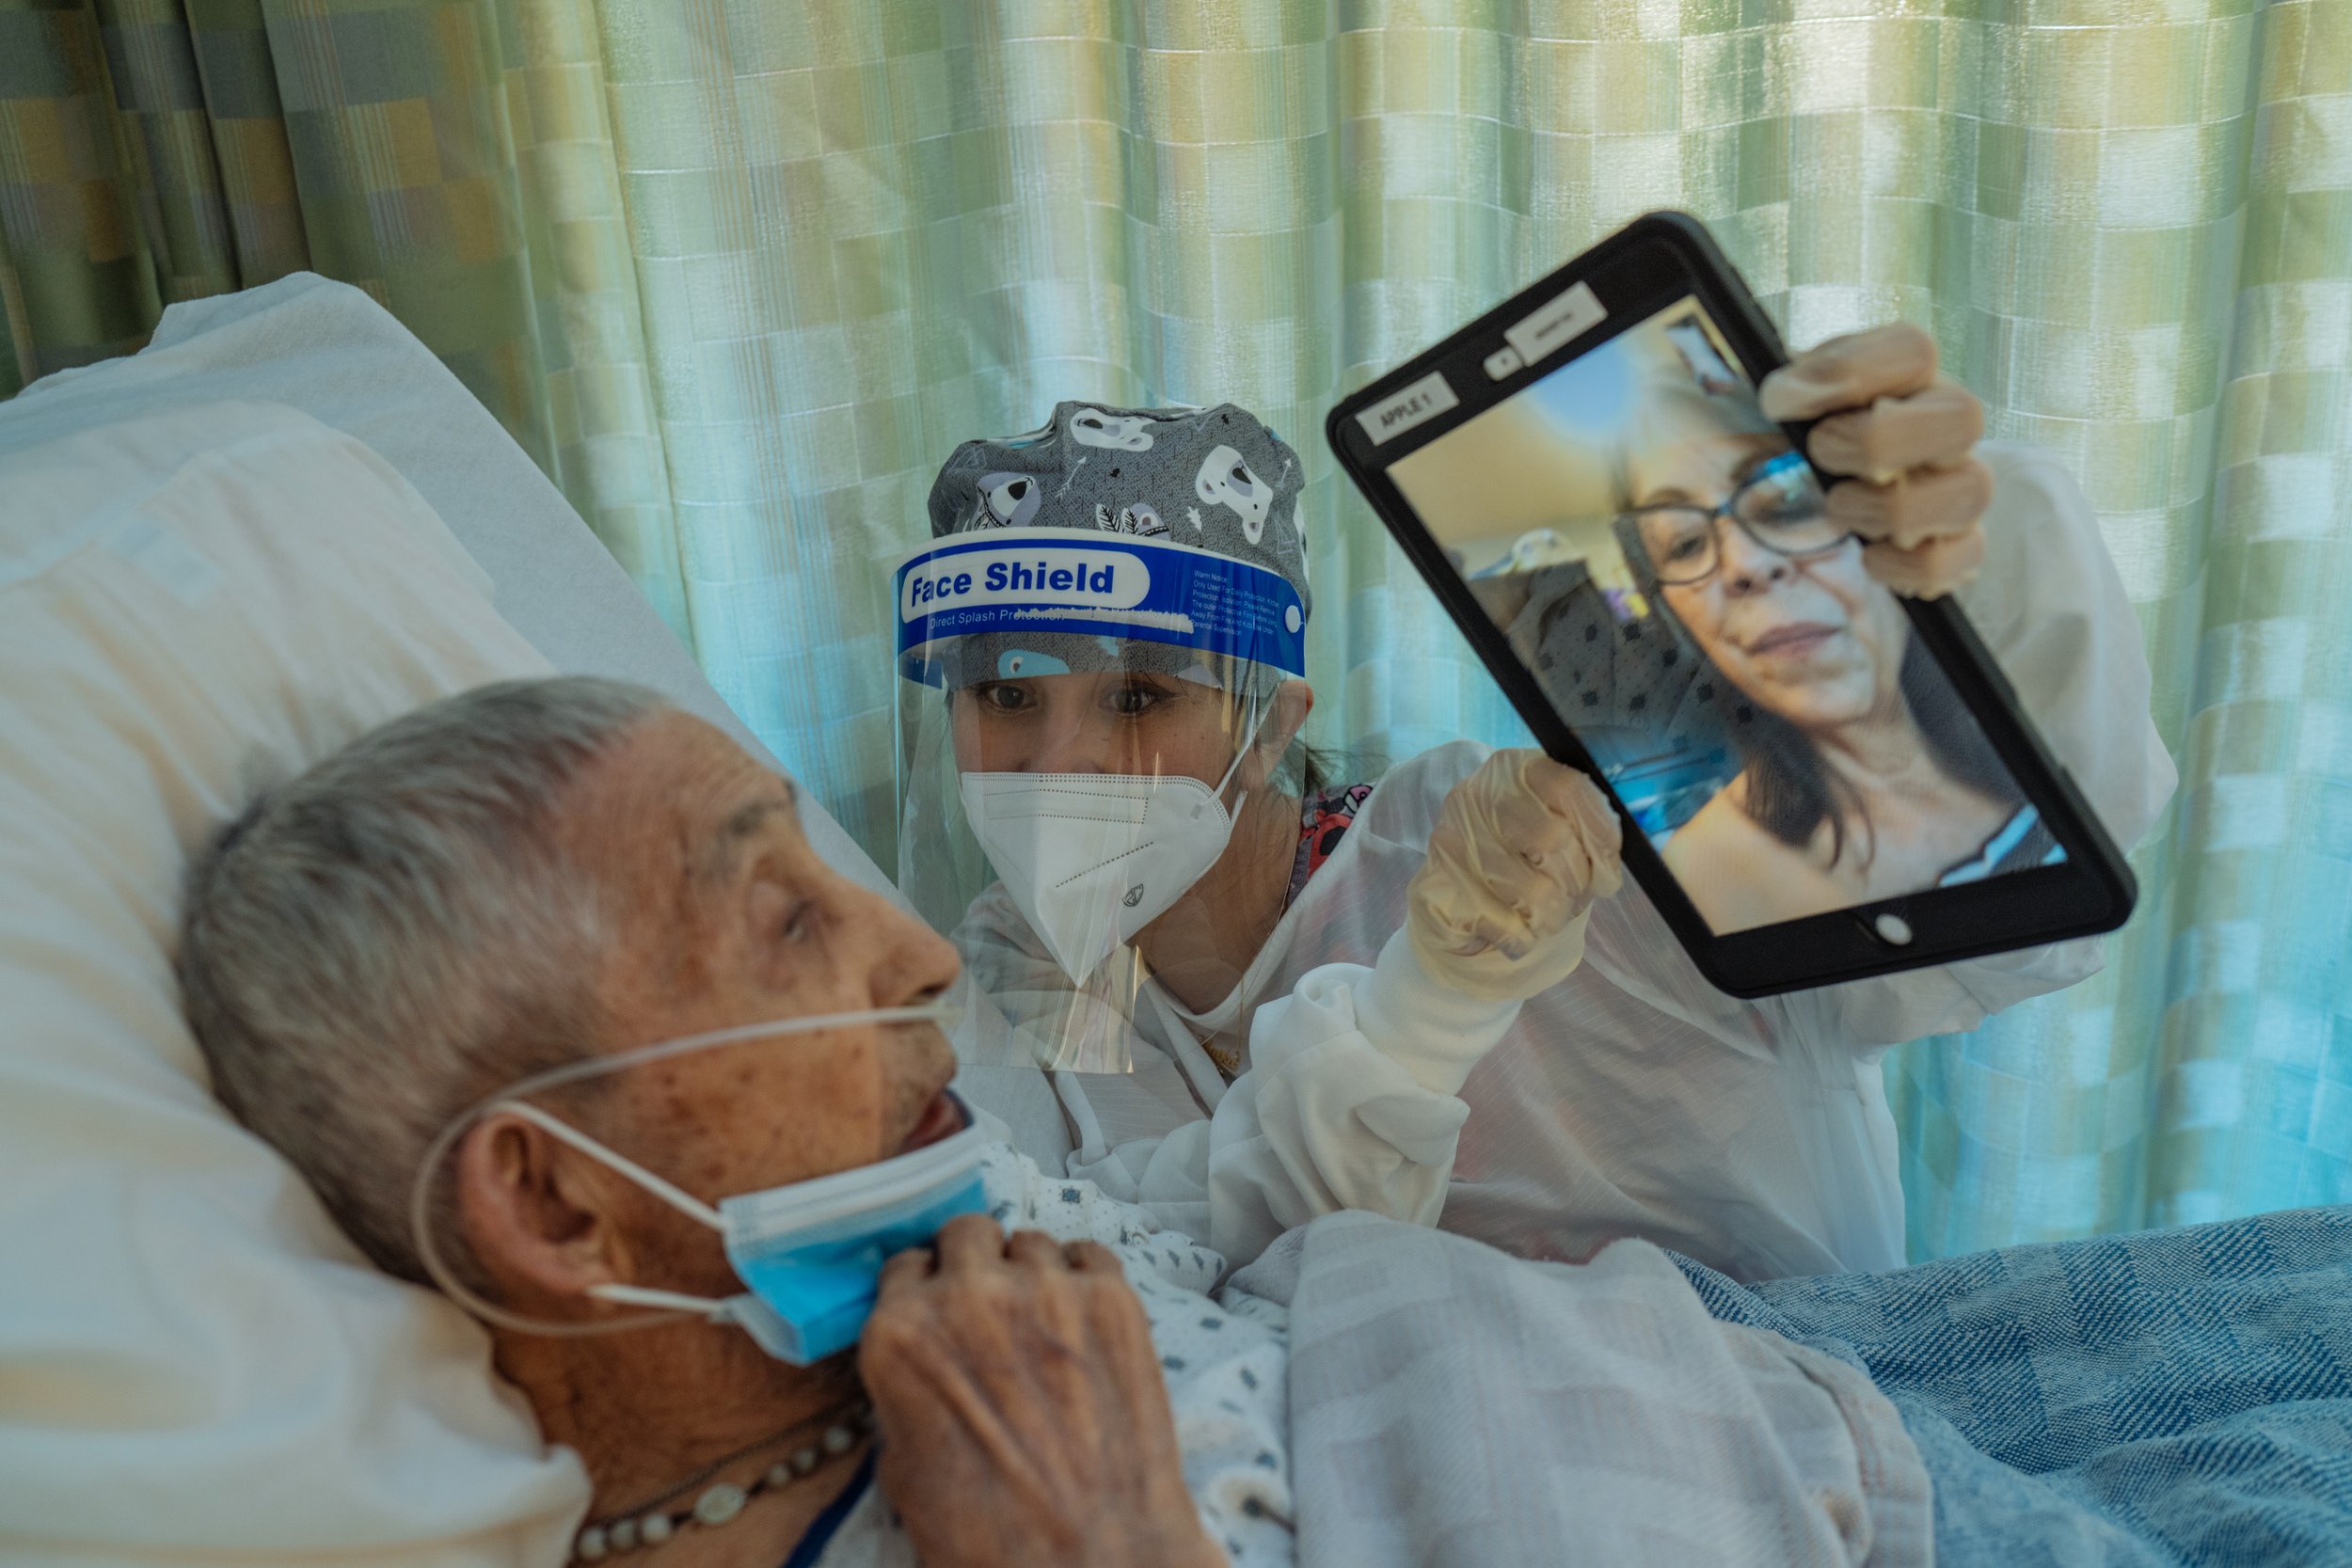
(2051, 607)
(1351, 1101)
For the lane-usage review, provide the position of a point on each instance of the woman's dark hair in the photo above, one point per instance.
(1790, 792)
(1308, 770)
(1320, 768)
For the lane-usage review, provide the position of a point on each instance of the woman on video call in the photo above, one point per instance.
(1862, 775)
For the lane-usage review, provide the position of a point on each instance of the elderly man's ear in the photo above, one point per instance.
(540, 1217)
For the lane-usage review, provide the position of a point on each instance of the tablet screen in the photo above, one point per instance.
(1659, 557)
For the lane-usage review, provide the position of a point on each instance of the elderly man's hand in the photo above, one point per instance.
(1024, 1420)
(1908, 436)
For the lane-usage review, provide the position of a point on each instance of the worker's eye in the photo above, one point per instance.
(799, 924)
(1135, 699)
(1002, 697)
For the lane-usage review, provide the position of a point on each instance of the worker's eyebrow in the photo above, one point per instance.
(724, 854)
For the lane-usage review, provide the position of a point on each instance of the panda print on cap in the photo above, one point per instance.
(1008, 501)
(1170, 475)
(1091, 427)
(1225, 480)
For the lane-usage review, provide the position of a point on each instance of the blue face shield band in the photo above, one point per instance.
(809, 1253)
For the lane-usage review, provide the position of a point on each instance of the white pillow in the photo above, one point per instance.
(331, 351)
(194, 1363)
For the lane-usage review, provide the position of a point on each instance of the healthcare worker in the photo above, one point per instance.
(1154, 730)
(1101, 732)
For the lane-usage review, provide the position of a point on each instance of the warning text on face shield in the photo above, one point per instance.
(1105, 579)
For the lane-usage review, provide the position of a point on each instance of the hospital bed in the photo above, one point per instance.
(284, 522)
(193, 1363)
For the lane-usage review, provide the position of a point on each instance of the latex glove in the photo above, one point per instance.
(1908, 435)
(1521, 849)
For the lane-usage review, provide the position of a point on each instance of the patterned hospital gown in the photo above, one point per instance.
(1224, 1364)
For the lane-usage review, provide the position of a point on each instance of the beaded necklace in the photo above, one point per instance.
(651, 1522)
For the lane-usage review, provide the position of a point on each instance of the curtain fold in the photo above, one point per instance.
(738, 275)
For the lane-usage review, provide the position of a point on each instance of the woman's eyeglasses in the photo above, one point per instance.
(1781, 509)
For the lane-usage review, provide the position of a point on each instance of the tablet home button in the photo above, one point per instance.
(1892, 929)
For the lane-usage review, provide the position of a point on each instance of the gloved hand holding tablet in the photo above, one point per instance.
(1906, 438)
(1734, 612)
(1522, 849)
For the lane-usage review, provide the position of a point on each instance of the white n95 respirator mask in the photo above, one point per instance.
(809, 1254)
(1091, 859)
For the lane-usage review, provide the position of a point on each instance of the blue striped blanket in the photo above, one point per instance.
(2164, 1398)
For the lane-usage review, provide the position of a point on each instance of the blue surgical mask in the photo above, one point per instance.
(809, 1254)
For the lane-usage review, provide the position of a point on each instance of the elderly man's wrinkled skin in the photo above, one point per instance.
(1023, 1412)
(1023, 1371)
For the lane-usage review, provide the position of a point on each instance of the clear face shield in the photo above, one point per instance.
(1082, 717)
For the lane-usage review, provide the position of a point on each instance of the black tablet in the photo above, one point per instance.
(1820, 779)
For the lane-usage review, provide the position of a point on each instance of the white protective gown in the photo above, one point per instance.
(1633, 1098)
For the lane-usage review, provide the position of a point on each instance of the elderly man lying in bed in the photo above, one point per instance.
(428, 970)
(538, 875)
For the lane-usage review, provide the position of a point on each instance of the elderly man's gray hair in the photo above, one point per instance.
(373, 946)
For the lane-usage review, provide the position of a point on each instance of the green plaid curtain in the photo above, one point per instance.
(740, 272)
